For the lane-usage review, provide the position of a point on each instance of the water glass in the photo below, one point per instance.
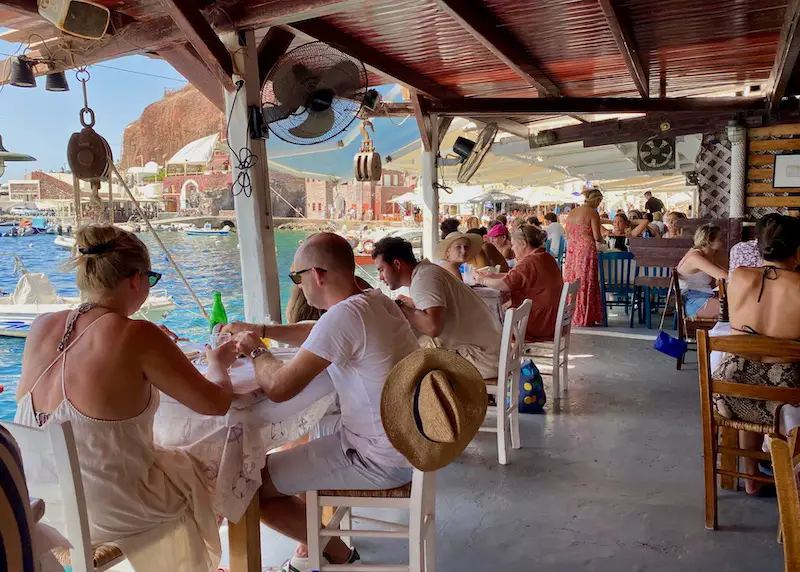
(219, 338)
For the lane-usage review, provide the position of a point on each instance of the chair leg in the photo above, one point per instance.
(648, 315)
(502, 428)
(729, 438)
(313, 527)
(556, 373)
(565, 371)
(514, 422)
(633, 307)
(416, 519)
(710, 478)
(430, 511)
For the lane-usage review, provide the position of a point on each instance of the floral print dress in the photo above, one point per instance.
(581, 264)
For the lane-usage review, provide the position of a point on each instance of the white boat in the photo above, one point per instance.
(207, 230)
(65, 242)
(35, 295)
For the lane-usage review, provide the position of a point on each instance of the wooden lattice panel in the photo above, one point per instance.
(714, 177)
(764, 143)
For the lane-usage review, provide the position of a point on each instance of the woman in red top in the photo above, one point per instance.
(536, 276)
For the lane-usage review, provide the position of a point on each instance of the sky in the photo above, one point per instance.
(40, 123)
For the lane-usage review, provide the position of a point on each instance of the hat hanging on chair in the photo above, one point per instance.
(433, 404)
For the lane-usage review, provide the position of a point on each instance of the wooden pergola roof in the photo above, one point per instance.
(698, 63)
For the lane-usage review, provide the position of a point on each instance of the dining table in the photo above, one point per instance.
(232, 448)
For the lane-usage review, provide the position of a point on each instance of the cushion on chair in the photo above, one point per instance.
(403, 492)
(763, 428)
(103, 554)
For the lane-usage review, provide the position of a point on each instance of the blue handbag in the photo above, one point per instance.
(670, 345)
(531, 389)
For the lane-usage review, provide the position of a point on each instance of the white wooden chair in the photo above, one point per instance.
(505, 387)
(417, 497)
(558, 349)
(57, 442)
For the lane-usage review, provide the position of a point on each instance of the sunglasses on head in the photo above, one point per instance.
(297, 277)
(153, 277)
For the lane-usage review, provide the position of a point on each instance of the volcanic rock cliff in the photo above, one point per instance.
(167, 125)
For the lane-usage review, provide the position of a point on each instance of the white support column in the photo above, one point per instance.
(430, 194)
(737, 135)
(254, 212)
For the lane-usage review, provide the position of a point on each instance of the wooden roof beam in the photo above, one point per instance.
(373, 59)
(786, 58)
(187, 63)
(203, 38)
(511, 107)
(484, 26)
(273, 45)
(26, 7)
(623, 36)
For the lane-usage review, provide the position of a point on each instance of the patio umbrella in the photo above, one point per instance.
(409, 197)
(495, 197)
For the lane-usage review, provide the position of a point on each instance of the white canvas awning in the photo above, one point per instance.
(198, 152)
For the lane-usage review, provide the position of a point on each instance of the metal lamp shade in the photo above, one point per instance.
(22, 73)
(57, 82)
(6, 155)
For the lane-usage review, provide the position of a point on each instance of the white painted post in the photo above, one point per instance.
(430, 194)
(737, 135)
(254, 212)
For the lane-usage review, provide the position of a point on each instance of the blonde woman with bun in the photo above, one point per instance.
(583, 234)
(101, 371)
(698, 272)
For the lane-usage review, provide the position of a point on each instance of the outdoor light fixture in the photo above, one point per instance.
(6, 155)
(22, 73)
(56, 81)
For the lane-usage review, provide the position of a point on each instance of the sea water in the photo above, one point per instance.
(209, 263)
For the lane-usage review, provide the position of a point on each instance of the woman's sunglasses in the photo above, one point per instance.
(153, 277)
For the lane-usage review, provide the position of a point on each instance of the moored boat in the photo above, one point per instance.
(65, 242)
(208, 231)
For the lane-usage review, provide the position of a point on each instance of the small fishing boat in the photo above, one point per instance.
(65, 242)
(35, 295)
(208, 231)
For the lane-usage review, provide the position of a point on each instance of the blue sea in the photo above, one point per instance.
(209, 263)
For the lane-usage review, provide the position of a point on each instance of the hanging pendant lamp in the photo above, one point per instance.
(6, 155)
(22, 73)
(57, 81)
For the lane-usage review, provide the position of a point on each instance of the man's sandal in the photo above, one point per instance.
(297, 564)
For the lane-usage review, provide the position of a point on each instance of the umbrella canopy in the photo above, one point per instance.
(409, 197)
(544, 195)
(495, 197)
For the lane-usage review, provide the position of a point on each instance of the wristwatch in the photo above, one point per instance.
(258, 352)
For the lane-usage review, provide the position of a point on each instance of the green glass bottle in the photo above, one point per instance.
(218, 314)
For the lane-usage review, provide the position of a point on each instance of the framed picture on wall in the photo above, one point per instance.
(786, 173)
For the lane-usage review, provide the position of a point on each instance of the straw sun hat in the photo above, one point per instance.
(432, 405)
(475, 244)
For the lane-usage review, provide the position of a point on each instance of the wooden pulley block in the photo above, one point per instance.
(88, 155)
(368, 166)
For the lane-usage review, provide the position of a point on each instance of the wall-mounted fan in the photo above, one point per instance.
(472, 153)
(313, 93)
(656, 154)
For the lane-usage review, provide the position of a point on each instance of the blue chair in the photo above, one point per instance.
(616, 270)
(547, 244)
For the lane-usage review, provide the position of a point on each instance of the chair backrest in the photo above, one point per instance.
(547, 244)
(56, 441)
(662, 252)
(722, 285)
(788, 502)
(15, 515)
(512, 345)
(616, 271)
(562, 251)
(756, 348)
(566, 309)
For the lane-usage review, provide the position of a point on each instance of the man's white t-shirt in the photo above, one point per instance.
(363, 337)
(470, 328)
(555, 233)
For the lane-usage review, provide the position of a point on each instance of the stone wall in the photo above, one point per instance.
(51, 188)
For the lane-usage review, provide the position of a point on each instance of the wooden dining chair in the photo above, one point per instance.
(782, 454)
(687, 327)
(756, 348)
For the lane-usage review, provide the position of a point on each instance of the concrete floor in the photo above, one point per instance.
(612, 483)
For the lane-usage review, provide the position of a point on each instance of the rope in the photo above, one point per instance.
(158, 238)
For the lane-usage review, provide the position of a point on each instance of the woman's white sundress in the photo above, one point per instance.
(152, 502)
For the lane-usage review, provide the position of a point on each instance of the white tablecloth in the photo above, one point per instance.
(233, 447)
(493, 299)
(790, 415)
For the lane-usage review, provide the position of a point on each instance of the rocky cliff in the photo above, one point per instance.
(167, 125)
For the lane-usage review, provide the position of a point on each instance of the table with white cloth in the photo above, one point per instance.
(233, 447)
(493, 299)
